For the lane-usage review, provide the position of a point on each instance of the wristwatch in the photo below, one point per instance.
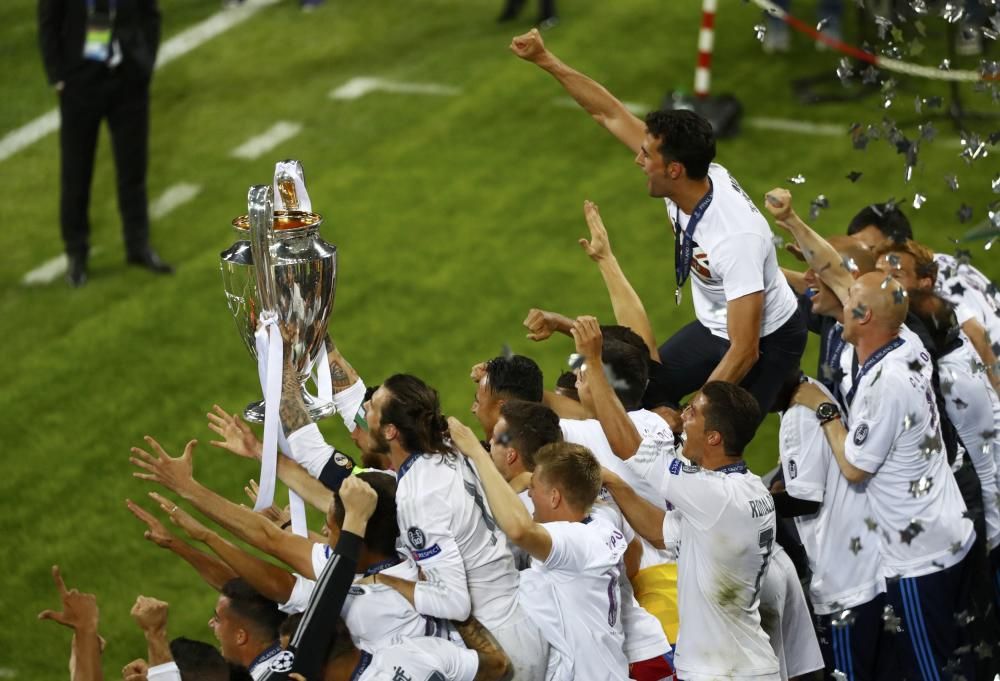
(827, 412)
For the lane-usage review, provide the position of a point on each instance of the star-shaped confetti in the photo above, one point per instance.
(894, 260)
(576, 361)
(855, 545)
(910, 532)
(964, 213)
(983, 650)
(915, 365)
(930, 445)
(871, 524)
(842, 619)
(898, 296)
(859, 311)
(952, 181)
(960, 403)
(964, 618)
(957, 289)
(908, 421)
(854, 176)
(760, 30)
(921, 487)
(956, 547)
(918, 201)
(946, 387)
(848, 264)
(797, 179)
(816, 205)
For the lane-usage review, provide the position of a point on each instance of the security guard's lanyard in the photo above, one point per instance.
(112, 10)
(684, 241)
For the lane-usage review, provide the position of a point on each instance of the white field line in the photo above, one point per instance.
(358, 87)
(267, 140)
(173, 197)
(175, 47)
(6, 673)
(803, 127)
(169, 200)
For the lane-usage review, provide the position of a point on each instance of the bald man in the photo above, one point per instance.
(892, 441)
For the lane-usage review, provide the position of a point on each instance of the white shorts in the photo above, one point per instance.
(525, 646)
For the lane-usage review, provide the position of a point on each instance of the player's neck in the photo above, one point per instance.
(716, 459)
(868, 344)
(520, 482)
(367, 558)
(689, 193)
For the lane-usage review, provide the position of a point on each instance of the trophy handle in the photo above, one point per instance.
(260, 208)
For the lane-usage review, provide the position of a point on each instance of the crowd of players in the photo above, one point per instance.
(608, 528)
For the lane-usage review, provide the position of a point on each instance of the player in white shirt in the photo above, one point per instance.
(447, 526)
(839, 541)
(572, 588)
(915, 501)
(724, 518)
(748, 328)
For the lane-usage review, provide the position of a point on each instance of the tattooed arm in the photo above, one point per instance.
(294, 414)
(494, 665)
(341, 371)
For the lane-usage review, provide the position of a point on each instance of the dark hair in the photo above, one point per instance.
(382, 530)
(259, 613)
(515, 377)
(290, 625)
(925, 266)
(732, 412)
(574, 469)
(684, 137)
(625, 335)
(414, 408)
(938, 317)
(198, 661)
(530, 425)
(886, 217)
(566, 385)
(631, 369)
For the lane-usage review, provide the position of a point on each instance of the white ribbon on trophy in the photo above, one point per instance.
(270, 361)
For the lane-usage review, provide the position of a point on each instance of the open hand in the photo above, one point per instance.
(174, 473)
(156, 533)
(181, 518)
(237, 436)
(528, 46)
(462, 436)
(79, 610)
(599, 246)
(278, 516)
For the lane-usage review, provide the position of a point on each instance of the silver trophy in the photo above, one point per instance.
(281, 264)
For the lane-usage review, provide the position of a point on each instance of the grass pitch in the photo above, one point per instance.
(453, 215)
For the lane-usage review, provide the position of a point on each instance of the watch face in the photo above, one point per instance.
(826, 410)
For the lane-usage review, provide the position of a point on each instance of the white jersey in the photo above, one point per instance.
(840, 538)
(574, 598)
(950, 267)
(588, 433)
(972, 303)
(785, 618)
(446, 525)
(419, 659)
(895, 436)
(298, 600)
(848, 365)
(733, 257)
(973, 408)
(725, 520)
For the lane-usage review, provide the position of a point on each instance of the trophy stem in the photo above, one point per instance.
(318, 409)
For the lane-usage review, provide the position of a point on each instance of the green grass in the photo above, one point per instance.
(453, 217)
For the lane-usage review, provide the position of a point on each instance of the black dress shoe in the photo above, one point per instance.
(76, 272)
(150, 260)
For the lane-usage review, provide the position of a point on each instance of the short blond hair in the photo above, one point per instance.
(573, 469)
(923, 256)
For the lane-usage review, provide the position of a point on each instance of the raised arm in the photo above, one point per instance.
(150, 615)
(628, 307)
(80, 614)
(267, 579)
(510, 514)
(622, 434)
(819, 254)
(494, 665)
(213, 570)
(595, 99)
(176, 474)
(645, 519)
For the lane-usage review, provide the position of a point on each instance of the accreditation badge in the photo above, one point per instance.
(97, 40)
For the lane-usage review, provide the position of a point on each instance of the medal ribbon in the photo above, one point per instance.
(684, 240)
(870, 363)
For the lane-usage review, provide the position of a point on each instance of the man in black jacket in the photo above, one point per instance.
(99, 57)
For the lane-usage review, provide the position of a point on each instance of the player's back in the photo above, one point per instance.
(441, 504)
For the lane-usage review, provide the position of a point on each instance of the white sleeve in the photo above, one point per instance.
(455, 663)
(307, 448)
(739, 262)
(320, 556)
(652, 460)
(167, 671)
(802, 447)
(298, 601)
(349, 402)
(875, 423)
(425, 528)
(970, 407)
(672, 534)
(566, 554)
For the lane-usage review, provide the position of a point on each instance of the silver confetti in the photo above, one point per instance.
(817, 204)
(984, 650)
(798, 179)
(927, 131)
(575, 361)
(918, 6)
(855, 545)
(995, 184)
(760, 30)
(908, 421)
(921, 487)
(964, 618)
(838, 675)
(909, 533)
(891, 623)
(844, 618)
(964, 213)
(953, 11)
(844, 71)
(822, 24)
(918, 201)
(952, 181)
(871, 524)
(945, 65)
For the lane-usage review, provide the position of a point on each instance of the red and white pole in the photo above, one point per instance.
(706, 41)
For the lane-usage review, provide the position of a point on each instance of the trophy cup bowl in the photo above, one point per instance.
(304, 270)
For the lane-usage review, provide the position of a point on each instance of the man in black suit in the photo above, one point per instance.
(99, 57)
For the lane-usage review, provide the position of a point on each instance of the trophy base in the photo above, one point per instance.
(318, 409)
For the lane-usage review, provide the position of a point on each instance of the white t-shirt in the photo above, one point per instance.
(733, 257)
(422, 659)
(973, 408)
(785, 618)
(847, 365)
(727, 533)
(446, 525)
(298, 600)
(841, 546)
(950, 267)
(588, 432)
(574, 598)
(971, 302)
(895, 435)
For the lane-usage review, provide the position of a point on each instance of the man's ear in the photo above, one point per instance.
(390, 432)
(555, 498)
(242, 636)
(512, 455)
(714, 438)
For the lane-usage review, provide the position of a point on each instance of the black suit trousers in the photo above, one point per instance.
(123, 101)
